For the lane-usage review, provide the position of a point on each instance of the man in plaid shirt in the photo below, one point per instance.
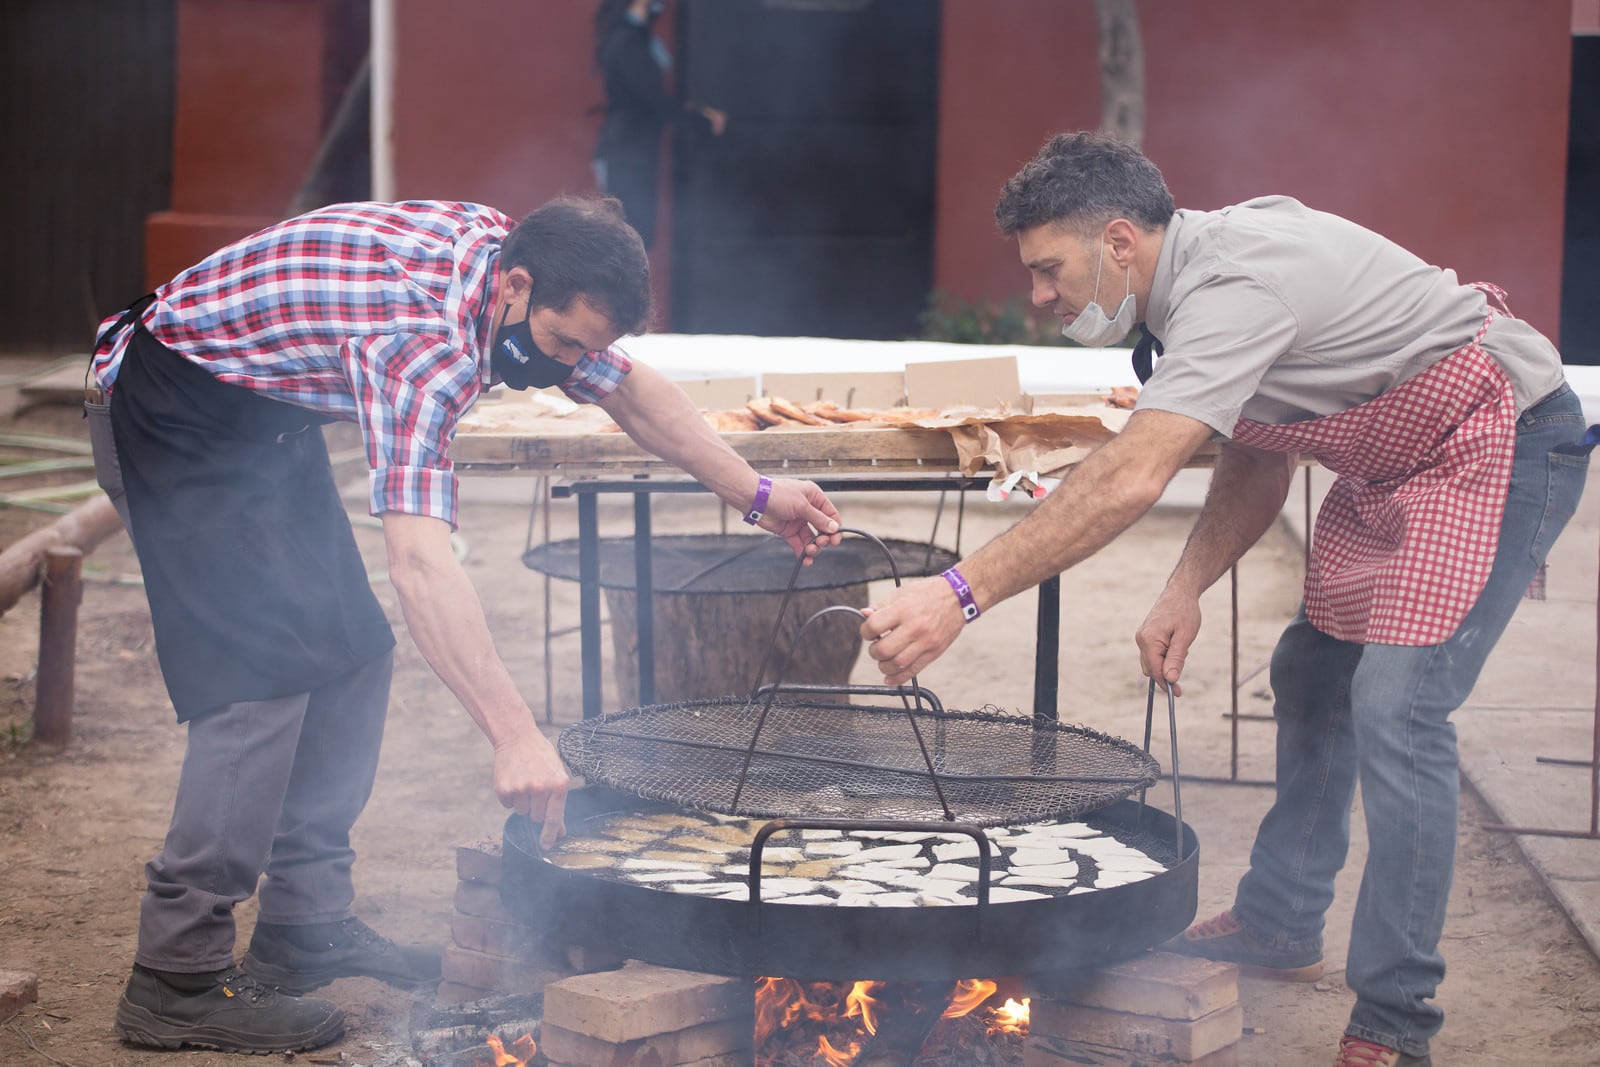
(205, 413)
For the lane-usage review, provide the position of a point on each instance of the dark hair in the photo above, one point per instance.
(607, 17)
(580, 246)
(1083, 181)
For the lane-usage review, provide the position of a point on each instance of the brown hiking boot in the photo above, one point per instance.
(1225, 938)
(1354, 1052)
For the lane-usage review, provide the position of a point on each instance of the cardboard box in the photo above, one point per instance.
(719, 394)
(983, 383)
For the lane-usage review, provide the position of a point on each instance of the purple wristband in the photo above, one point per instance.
(969, 607)
(758, 506)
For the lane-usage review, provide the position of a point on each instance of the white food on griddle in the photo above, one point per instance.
(782, 854)
(708, 889)
(669, 876)
(886, 852)
(890, 876)
(1046, 883)
(957, 850)
(1111, 879)
(1038, 857)
(642, 864)
(1002, 895)
(708, 856)
(1067, 871)
(787, 886)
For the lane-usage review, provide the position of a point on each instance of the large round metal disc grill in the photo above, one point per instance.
(850, 760)
(864, 759)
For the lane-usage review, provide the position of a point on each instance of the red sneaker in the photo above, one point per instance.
(1225, 938)
(1354, 1052)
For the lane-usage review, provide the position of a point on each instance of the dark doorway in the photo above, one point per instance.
(86, 98)
(813, 214)
(1580, 278)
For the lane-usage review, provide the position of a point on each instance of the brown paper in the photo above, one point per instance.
(1045, 444)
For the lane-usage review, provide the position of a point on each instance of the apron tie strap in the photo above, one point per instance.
(133, 311)
(1143, 364)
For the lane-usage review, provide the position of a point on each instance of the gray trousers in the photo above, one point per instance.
(267, 787)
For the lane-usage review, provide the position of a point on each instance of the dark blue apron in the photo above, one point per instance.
(256, 588)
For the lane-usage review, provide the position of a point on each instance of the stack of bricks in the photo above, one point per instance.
(649, 1016)
(493, 951)
(1156, 1009)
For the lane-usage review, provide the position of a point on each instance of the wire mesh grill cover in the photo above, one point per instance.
(855, 761)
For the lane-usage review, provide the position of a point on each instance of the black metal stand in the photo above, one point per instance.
(1048, 628)
(1237, 682)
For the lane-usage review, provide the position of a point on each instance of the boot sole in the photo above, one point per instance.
(299, 983)
(139, 1026)
(1310, 973)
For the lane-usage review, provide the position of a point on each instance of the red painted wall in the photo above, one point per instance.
(498, 104)
(250, 102)
(1440, 123)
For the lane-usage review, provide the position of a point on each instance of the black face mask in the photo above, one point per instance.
(518, 361)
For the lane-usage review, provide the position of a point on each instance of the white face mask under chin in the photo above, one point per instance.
(1091, 328)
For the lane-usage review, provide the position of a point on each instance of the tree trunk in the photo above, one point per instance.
(1121, 70)
(711, 644)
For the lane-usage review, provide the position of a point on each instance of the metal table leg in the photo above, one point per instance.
(644, 587)
(589, 600)
(1047, 649)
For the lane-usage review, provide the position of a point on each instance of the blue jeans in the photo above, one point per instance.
(1380, 714)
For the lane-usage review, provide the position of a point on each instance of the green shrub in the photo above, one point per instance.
(987, 322)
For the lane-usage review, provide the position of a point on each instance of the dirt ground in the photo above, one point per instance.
(76, 825)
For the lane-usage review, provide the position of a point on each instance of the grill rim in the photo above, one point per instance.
(835, 942)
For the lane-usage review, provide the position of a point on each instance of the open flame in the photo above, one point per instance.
(832, 1022)
(518, 1055)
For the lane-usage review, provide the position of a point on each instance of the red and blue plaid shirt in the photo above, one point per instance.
(372, 313)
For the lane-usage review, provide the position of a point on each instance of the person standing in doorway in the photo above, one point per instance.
(634, 64)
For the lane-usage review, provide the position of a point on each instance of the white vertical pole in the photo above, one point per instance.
(383, 68)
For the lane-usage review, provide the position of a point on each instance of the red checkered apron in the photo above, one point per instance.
(1407, 534)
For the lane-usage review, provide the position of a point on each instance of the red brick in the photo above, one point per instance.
(479, 861)
(17, 990)
(482, 971)
(1172, 1039)
(497, 938)
(476, 898)
(642, 1000)
(690, 1045)
(1162, 984)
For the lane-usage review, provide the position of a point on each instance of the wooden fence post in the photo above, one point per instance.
(58, 642)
